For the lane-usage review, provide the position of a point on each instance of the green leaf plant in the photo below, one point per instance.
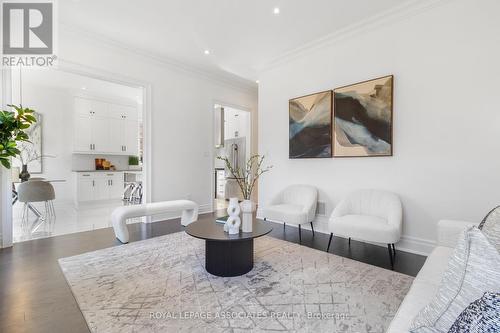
(13, 126)
(247, 176)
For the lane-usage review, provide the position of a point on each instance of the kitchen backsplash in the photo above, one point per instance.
(87, 162)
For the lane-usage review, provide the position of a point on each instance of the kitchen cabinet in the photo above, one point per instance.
(86, 185)
(131, 146)
(124, 129)
(98, 186)
(105, 128)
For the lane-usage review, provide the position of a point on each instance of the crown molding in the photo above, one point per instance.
(377, 21)
(228, 80)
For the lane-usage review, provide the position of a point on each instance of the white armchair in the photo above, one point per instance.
(296, 204)
(369, 215)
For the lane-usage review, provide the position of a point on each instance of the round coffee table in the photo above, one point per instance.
(225, 254)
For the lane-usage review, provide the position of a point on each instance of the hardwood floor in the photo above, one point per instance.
(34, 295)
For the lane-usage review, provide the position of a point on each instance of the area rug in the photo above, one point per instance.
(160, 285)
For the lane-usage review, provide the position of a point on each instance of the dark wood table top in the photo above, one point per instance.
(211, 230)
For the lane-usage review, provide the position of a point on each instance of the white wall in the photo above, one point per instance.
(235, 121)
(55, 106)
(182, 113)
(446, 115)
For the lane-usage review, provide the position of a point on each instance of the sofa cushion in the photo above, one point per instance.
(473, 269)
(288, 213)
(423, 289)
(490, 226)
(481, 316)
(365, 227)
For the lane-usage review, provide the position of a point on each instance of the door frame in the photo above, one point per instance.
(95, 73)
(212, 150)
(5, 175)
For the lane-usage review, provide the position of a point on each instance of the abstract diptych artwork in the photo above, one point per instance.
(363, 119)
(361, 125)
(310, 126)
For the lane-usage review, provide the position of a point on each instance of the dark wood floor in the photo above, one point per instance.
(34, 296)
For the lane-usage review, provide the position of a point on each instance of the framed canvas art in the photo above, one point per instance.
(310, 126)
(32, 150)
(363, 119)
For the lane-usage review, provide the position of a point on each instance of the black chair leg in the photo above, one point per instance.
(349, 241)
(394, 250)
(312, 228)
(300, 235)
(329, 242)
(284, 224)
(390, 256)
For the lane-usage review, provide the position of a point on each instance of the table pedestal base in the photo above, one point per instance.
(228, 258)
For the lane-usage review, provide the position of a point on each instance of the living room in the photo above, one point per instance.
(368, 197)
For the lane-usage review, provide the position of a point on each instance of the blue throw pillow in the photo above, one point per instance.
(481, 316)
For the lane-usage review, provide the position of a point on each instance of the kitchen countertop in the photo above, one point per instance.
(136, 171)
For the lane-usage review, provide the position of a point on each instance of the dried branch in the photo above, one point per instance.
(247, 177)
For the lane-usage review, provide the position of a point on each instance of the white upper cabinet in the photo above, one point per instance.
(122, 112)
(105, 128)
(100, 135)
(116, 134)
(82, 134)
(131, 137)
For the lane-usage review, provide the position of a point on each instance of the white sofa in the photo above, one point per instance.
(426, 283)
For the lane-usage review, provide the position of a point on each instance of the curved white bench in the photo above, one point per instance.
(121, 214)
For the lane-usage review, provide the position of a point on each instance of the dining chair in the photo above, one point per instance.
(37, 191)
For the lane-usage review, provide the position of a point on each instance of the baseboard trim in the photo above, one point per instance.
(416, 245)
(407, 243)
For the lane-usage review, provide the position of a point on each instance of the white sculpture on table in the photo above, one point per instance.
(233, 223)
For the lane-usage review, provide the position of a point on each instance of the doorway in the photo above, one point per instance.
(232, 129)
(88, 145)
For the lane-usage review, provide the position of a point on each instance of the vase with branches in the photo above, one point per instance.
(28, 153)
(247, 178)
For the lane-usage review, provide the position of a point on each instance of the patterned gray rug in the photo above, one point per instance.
(160, 285)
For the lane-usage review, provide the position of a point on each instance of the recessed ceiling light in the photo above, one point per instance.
(276, 10)
(84, 88)
(256, 81)
(207, 52)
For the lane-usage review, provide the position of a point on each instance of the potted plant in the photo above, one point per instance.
(13, 126)
(133, 163)
(247, 179)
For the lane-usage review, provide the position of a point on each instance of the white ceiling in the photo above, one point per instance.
(242, 36)
(77, 84)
